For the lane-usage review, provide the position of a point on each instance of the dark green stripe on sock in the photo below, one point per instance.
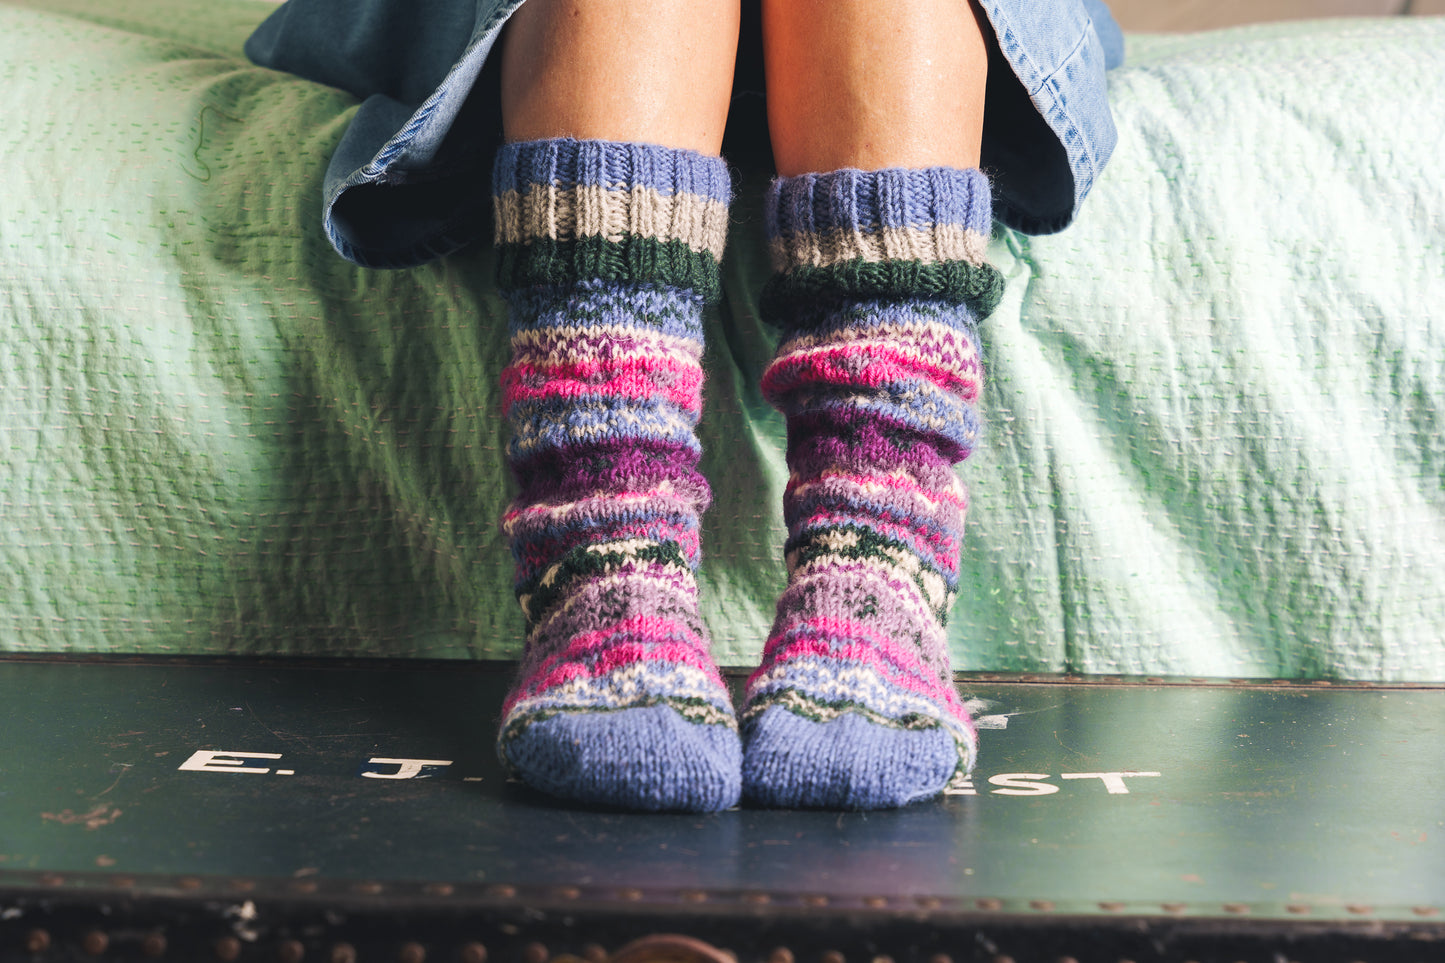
(584, 563)
(978, 286)
(634, 259)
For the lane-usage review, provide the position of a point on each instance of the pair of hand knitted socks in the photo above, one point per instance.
(608, 254)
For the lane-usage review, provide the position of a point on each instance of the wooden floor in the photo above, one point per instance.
(1175, 15)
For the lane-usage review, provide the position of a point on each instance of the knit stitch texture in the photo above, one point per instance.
(570, 210)
(879, 381)
(608, 252)
(897, 234)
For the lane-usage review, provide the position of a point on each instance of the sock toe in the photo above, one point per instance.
(648, 758)
(846, 762)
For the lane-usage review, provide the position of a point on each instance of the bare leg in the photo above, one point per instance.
(857, 83)
(635, 70)
(878, 226)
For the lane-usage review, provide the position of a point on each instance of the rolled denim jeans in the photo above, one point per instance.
(407, 183)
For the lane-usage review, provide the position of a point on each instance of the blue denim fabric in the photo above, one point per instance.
(1055, 49)
(1111, 38)
(408, 180)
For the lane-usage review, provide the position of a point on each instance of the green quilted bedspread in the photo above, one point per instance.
(1216, 408)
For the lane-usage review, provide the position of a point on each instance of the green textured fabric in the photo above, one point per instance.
(1215, 403)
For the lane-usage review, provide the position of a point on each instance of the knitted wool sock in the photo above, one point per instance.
(607, 253)
(880, 281)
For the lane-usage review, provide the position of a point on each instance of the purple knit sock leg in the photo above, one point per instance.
(607, 253)
(881, 279)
